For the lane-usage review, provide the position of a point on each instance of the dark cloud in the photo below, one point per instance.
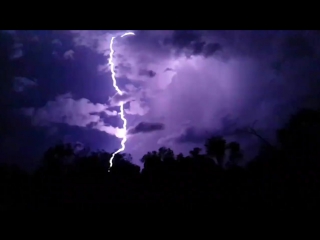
(297, 46)
(192, 135)
(197, 134)
(183, 39)
(8, 120)
(148, 73)
(145, 127)
(168, 69)
(10, 41)
(192, 43)
(294, 47)
(21, 83)
(211, 49)
(198, 47)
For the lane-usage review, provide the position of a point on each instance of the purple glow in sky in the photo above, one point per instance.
(178, 86)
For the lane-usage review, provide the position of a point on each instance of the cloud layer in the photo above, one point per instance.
(80, 112)
(192, 81)
(145, 127)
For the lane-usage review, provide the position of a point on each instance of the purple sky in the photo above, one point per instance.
(180, 85)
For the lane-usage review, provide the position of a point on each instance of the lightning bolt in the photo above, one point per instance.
(114, 81)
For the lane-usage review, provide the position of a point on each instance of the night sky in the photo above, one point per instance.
(180, 87)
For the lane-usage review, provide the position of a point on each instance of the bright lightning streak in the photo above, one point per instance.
(127, 34)
(114, 80)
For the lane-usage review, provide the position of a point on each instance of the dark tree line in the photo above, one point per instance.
(286, 173)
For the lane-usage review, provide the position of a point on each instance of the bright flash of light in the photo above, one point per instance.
(114, 80)
(127, 34)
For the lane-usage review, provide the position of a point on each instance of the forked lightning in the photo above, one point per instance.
(114, 80)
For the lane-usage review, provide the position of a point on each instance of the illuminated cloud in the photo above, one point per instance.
(137, 107)
(117, 99)
(80, 112)
(57, 42)
(115, 131)
(69, 54)
(204, 76)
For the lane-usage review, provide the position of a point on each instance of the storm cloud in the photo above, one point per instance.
(146, 127)
(65, 109)
(173, 77)
(22, 83)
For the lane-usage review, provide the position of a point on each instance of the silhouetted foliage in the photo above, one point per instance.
(286, 173)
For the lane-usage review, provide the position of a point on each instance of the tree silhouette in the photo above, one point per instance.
(195, 152)
(288, 172)
(236, 154)
(216, 148)
(300, 138)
